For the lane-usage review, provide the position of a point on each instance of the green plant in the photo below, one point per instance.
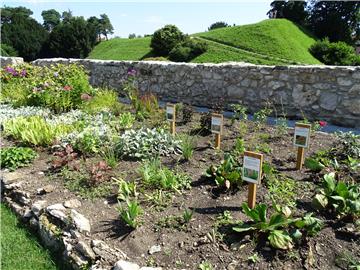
(281, 126)
(34, 130)
(187, 113)
(103, 100)
(350, 143)
(314, 164)
(109, 156)
(342, 198)
(261, 116)
(126, 189)
(187, 145)
(16, 157)
(239, 112)
(276, 228)
(239, 147)
(126, 120)
(187, 50)
(346, 260)
(159, 199)
(131, 213)
(146, 143)
(187, 215)
(205, 265)
(254, 258)
(205, 122)
(155, 176)
(227, 174)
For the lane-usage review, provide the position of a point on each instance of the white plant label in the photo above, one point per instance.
(301, 136)
(216, 124)
(251, 170)
(170, 113)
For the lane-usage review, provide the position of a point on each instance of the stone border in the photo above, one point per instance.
(62, 229)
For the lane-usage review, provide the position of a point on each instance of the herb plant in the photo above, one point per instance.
(131, 213)
(16, 157)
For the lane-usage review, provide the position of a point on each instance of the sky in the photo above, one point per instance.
(146, 16)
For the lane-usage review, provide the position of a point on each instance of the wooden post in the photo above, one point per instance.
(252, 195)
(172, 128)
(252, 171)
(217, 141)
(300, 158)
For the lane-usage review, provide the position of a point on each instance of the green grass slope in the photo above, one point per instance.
(19, 249)
(270, 42)
(277, 38)
(122, 49)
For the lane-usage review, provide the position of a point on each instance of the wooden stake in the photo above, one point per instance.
(252, 195)
(300, 158)
(172, 128)
(217, 141)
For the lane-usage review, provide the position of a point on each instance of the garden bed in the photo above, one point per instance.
(112, 176)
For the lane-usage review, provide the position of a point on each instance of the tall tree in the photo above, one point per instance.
(106, 26)
(22, 32)
(73, 38)
(337, 20)
(51, 19)
(294, 11)
(66, 16)
(96, 24)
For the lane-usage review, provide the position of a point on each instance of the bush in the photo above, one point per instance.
(104, 100)
(58, 87)
(218, 25)
(7, 50)
(165, 39)
(334, 53)
(15, 157)
(187, 50)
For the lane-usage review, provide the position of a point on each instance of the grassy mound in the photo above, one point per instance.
(270, 42)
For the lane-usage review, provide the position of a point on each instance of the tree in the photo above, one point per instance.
(96, 24)
(51, 19)
(294, 11)
(73, 38)
(165, 39)
(131, 36)
(66, 16)
(218, 25)
(337, 20)
(22, 32)
(106, 26)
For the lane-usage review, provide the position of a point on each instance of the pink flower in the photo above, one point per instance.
(85, 96)
(322, 123)
(67, 88)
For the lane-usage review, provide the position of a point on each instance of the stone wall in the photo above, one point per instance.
(319, 92)
(6, 61)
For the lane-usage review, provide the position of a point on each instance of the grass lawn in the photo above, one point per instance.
(122, 49)
(19, 249)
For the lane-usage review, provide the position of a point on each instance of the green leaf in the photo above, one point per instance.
(244, 228)
(320, 201)
(296, 234)
(251, 213)
(329, 182)
(313, 164)
(342, 190)
(280, 239)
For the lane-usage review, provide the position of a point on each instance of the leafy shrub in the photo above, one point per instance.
(16, 157)
(35, 130)
(261, 116)
(58, 87)
(276, 228)
(126, 120)
(155, 176)
(7, 50)
(338, 196)
(146, 143)
(187, 113)
(239, 112)
(165, 39)
(205, 122)
(217, 25)
(187, 50)
(103, 100)
(227, 174)
(334, 53)
(350, 143)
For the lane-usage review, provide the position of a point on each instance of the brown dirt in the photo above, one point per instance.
(186, 248)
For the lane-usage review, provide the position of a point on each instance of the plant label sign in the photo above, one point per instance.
(252, 167)
(170, 112)
(302, 135)
(216, 123)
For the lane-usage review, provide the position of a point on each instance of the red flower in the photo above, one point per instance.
(67, 88)
(322, 123)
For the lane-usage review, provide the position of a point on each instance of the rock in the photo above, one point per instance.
(150, 268)
(72, 203)
(28, 213)
(86, 250)
(57, 206)
(154, 249)
(34, 223)
(328, 101)
(79, 261)
(59, 215)
(80, 222)
(24, 201)
(38, 207)
(108, 254)
(45, 189)
(344, 81)
(125, 265)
